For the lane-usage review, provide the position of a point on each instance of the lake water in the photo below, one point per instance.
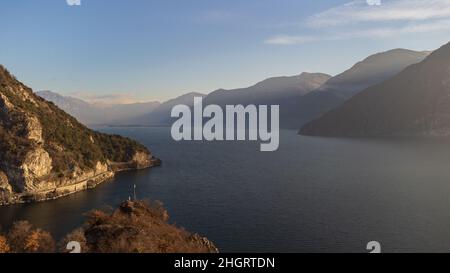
(312, 195)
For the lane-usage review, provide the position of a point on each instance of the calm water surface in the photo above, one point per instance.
(312, 195)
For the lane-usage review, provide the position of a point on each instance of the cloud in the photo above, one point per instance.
(291, 40)
(117, 98)
(373, 2)
(382, 32)
(372, 19)
(393, 10)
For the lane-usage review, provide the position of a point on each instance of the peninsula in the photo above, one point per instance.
(46, 153)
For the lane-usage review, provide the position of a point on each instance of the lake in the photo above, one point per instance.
(312, 195)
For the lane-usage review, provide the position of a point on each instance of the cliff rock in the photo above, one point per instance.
(5, 187)
(46, 153)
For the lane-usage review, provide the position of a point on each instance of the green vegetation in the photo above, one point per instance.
(68, 142)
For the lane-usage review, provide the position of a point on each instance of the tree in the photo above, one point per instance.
(17, 236)
(23, 238)
(4, 247)
(39, 241)
(75, 236)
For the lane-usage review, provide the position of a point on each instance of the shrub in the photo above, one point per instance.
(76, 236)
(4, 247)
(22, 238)
(39, 241)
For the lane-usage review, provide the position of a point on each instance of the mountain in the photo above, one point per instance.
(414, 102)
(370, 71)
(302, 98)
(140, 114)
(46, 153)
(277, 90)
(307, 96)
(161, 115)
(272, 89)
(283, 91)
(98, 114)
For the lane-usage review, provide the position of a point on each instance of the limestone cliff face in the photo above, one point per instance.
(141, 160)
(33, 129)
(36, 165)
(5, 187)
(47, 154)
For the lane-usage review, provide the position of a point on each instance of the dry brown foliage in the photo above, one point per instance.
(4, 247)
(135, 227)
(140, 227)
(23, 238)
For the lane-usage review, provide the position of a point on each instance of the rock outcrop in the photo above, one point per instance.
(46, 153)
(137, 227)
(5, 187)
(36, 165)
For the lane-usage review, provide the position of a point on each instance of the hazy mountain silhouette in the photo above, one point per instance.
(416, 101)
(371, 71)
(98, 114)
(161, 115)
(301, 98)
(283, 91)
(309, 95)
(269, 90)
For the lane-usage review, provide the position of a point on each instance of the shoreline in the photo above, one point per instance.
(82, 185)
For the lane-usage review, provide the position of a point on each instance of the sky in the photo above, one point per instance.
(121, 51)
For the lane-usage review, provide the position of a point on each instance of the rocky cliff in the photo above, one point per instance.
(46, 153)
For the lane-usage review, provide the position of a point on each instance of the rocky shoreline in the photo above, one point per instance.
(85, 181)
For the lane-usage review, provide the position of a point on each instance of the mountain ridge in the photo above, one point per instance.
(297, 85)
(301, 97)
(372, 70)
(283, 91)
(98, 114)
(414, 102)
(161, 115)
(343, 86)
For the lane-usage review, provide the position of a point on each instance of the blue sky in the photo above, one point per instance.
(139, 50)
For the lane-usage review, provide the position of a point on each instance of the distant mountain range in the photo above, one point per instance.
(160, 116)
(98, 114)
(136, 114)
(302, 98)
(414, 102)
(283, 91)
(279, 90)
(271, 90)
(309, 95)
(372, 70)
